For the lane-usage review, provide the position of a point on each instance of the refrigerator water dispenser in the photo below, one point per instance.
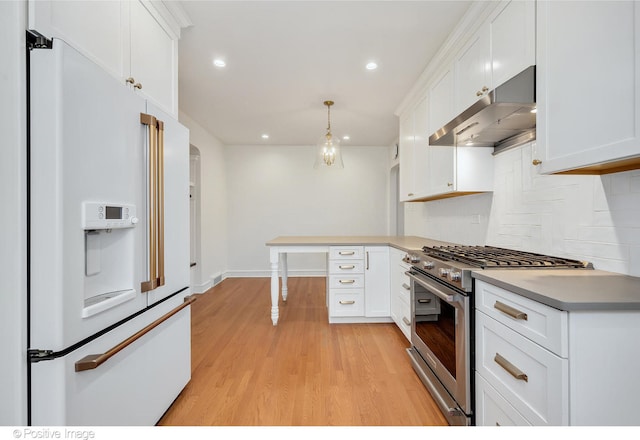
(109, 255)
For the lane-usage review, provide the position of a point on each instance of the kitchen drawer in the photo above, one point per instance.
(342, 267)
(426, 303)
(346, 302)
(541, 394)
(492, 409)
(404, 318)
(346, 281)
(404, 289)
(346, 252)
(540, 323)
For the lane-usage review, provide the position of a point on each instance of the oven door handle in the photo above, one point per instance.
(439, 293)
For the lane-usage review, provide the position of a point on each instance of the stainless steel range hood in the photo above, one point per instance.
(503, 118)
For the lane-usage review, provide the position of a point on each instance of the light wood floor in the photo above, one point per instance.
(302, 372)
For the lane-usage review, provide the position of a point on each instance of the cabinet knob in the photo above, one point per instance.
(410, 194)
(449, 184)
(130, 80)
(137, 86)
(536, 162)
(485, 89)
(478, 93)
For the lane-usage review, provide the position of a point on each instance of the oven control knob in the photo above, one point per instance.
(454, 276)
(444, 272)
(429, 265)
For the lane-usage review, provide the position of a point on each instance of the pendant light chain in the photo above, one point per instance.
(328, 104)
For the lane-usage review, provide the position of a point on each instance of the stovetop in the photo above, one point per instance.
(452, 264)
(487, 257)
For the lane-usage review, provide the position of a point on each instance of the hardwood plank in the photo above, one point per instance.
(302, 372)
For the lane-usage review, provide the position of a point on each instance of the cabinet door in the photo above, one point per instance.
(154, 58)
(473, 79)
(441, 101)
(420, 160)
(377, 296)
(442, 176)
(513, 43)
(406, 157)
(588, 83)
(97, 29)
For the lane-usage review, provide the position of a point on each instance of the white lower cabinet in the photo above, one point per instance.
(532, 379)
(537, 365)
(493, 409)
(400, 291)
(358, 284)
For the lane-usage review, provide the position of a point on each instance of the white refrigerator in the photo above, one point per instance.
(108, 239)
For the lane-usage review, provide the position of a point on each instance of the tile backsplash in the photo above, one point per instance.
(592, 218)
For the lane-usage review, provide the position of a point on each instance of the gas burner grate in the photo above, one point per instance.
(493, 257)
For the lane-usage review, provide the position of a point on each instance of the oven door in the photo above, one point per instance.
(440, 335)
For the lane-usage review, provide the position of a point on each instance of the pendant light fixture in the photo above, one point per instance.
(328, 152)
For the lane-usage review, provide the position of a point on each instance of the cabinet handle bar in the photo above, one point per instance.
(510, 368)
(511, 311)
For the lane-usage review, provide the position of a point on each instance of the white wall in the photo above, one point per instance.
(274, 190)
(592, 218)
(13, 340)
(213, 204)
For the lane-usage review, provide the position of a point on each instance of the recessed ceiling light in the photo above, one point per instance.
(371, 65)
(219, 62)
(265, 136)
(346, 137)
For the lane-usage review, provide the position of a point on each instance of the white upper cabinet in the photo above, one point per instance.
(588, 87)
(441, 103)
(154, 58)
(414, 152)
(97, 29)
(405, 184)
(513, 40)
(129, 39)
(473, 71)
(500, 49)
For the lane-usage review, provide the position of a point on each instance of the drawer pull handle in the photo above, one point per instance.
(347, 281)
(511, 369)
(406, 286)
(424, 301)
(347, 266)
(514, 313)
(405, 320)
(343, 302)
(346, 253)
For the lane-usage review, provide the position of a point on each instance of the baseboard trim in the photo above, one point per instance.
(267, 273)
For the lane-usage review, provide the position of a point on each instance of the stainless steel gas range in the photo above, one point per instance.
(442, 316)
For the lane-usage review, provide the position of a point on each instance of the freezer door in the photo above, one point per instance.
(87, 155)
(173, 221)
(134, 386)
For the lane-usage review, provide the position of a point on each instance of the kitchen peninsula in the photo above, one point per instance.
(280, 247)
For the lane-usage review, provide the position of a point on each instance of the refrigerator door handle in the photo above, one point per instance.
(160, 201)
(93, 361)
(156, 202)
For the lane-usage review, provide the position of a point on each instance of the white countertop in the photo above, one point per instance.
(569, 289)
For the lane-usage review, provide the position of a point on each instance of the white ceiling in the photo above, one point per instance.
(284, 58)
